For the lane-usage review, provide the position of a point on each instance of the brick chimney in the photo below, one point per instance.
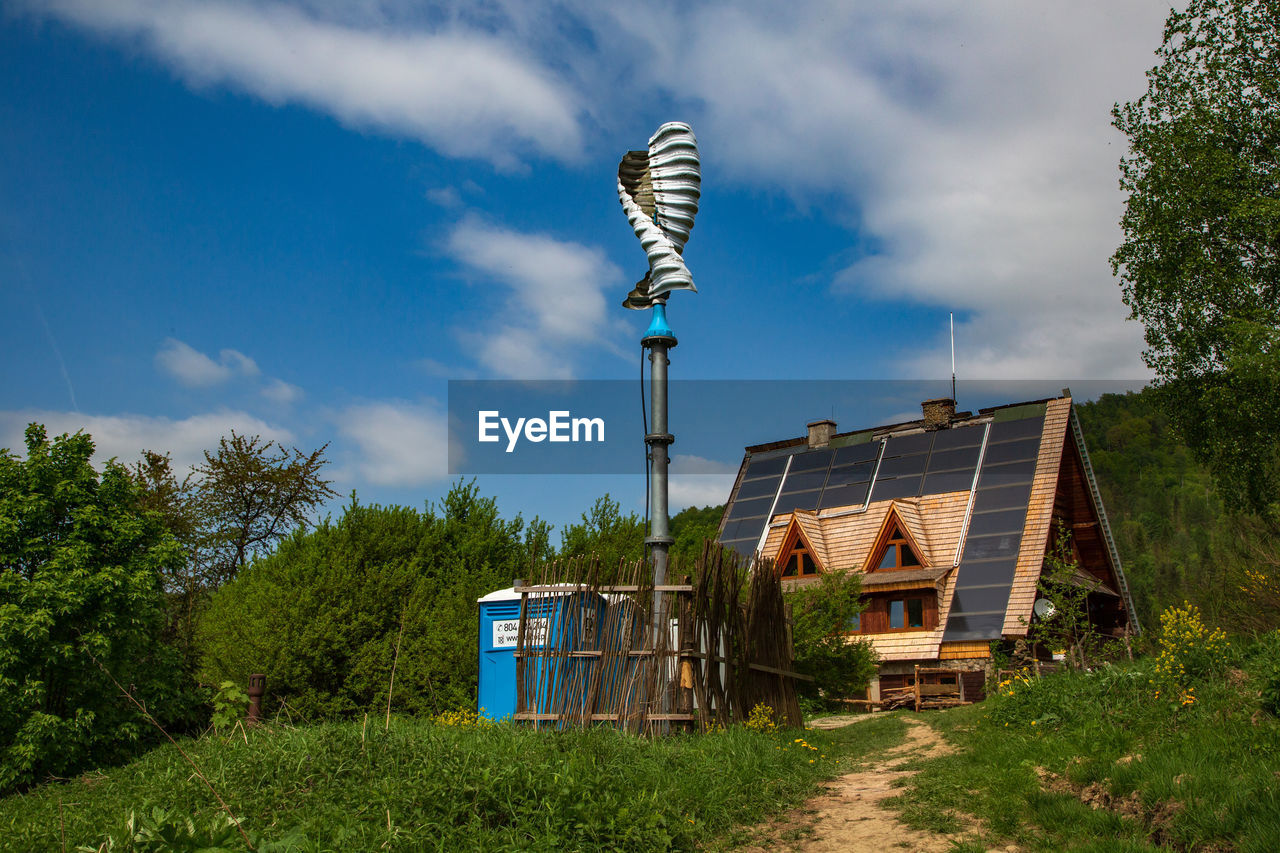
(820, 433)
(937, 413)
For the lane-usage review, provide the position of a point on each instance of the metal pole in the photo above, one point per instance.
(659, 339)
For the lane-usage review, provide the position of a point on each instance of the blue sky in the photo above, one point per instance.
(301, 219)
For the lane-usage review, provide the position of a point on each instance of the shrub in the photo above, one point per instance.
(1189, 652)
(80, 569)
(1266, 666)
(822, 613)
(321, 616)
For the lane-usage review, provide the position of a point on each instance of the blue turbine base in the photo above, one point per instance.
(658, 327)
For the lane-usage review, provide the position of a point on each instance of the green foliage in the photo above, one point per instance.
(80, 569)
(1267, 664)
(1176, 540)
(1067, 627)
(1199, 263)
(243, 500)
(229, 706)
(605, 532)
(164, 831)
(424, 786)
(822, 612)
(614, 537)
(1037, 760)
(690, 527)
(321, 615)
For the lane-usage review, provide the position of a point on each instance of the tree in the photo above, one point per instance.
(605, 532)
(822, 612)
(1200, 261)
(81, 562)
(251, 495)
(241, 501)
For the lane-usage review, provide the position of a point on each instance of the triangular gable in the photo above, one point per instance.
(894, 520)
(811, 529)
(803, 529)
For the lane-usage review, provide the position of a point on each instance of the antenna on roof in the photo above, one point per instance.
(953, 356)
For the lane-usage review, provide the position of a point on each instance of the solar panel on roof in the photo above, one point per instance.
(745, 547)
(1023, 428)
(765, 486)
(1012, 451)
(901, 466)
(947, 460)
(857, 453)
(812, 460)
(984, 577)
(755, 506)
(992, 545)
(941, 482)
(999, 521)
(789, 501)
(1006, 474)
(899, 487)
(899, 445)
(800, 481)
(849, 495)
(767, 466)
(841, 475)
(966, 436)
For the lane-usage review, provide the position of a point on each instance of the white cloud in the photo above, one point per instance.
(195, 369)
(284, 393)
(396, 443)
(970, 143)
(126, 436)
(697, 481)
(554, 299)
(462, 91)
(446, 197)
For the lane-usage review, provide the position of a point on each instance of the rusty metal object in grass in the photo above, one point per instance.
(257, 687)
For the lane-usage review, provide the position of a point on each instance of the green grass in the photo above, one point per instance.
(427, 787)
(1205, 774)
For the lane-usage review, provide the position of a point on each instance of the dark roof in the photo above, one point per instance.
(907, 461)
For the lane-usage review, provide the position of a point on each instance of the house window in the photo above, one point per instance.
(905, 613)
(799, 563)
(898, 554)
(854, 624)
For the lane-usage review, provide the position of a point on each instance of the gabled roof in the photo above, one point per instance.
(906, 518)
(810, 531)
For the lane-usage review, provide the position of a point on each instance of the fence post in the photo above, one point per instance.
(257, 687)
(685, 634)
(917, 688)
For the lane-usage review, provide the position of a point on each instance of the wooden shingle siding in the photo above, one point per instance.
(848, 540)
(1038, 529)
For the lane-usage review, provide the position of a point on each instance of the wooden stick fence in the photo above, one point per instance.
(589, 651)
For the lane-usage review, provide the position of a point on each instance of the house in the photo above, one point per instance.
(948, 518)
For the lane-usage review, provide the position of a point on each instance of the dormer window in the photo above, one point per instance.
(800, 563)
(898, 553)
(796, 557)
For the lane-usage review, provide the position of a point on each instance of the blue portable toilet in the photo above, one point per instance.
(499, 629)
(572, 615)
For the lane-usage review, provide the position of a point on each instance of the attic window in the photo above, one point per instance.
(799, 563)
(897, 553)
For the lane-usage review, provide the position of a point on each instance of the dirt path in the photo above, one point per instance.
(849, 817)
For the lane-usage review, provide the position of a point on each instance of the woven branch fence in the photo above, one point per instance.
(589, 650)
